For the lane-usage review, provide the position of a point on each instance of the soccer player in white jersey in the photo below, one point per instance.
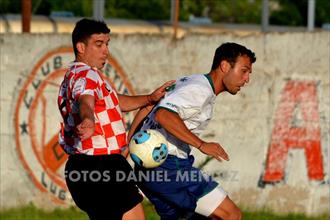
(93, 131)
(181, 116)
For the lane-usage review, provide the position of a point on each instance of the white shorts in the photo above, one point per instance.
(208, 203)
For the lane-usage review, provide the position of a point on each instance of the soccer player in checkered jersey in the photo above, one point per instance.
(181, 116)
(93, 132)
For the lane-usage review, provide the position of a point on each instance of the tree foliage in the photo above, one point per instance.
(294, 12)
(45, 7)
(141, 9)
(227, 11)
(288, 12)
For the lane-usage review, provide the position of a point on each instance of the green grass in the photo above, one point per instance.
(266, 215)
(30, 212)
(149, 211)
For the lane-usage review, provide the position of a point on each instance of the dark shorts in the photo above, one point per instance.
(175, 194)
(94, 188)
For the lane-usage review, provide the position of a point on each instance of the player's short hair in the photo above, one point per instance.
(229, 52)
(85, 28)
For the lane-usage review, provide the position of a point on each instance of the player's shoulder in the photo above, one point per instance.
(78, 67)
(191, 88)
(82, 70)
(192, 82)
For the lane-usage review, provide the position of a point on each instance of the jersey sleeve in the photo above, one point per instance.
(86, 85)
(187, 101)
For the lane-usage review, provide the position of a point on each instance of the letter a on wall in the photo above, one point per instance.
(296, 125)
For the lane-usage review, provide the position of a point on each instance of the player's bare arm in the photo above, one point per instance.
(173, 124)
(138, 119)
(130, 103)
(86, 110)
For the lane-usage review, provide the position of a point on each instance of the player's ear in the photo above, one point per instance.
(225, 66)
(80, 47)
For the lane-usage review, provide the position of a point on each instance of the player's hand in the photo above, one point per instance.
(214, 150)
(86, 129)
(159, 93)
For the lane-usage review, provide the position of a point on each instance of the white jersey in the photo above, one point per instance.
(192, 98)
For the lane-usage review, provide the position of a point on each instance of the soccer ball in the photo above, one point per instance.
(148, 148)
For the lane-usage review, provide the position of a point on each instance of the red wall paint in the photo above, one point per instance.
(294, 130)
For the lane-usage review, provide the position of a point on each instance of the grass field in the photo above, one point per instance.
(32, 213)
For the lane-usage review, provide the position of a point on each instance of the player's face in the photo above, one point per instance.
(238, 75)
(96, 50)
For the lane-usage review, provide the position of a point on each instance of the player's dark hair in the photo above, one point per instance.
(85, 28)
(229, 52)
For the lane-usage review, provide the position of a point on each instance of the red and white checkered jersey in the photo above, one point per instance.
(110, 134)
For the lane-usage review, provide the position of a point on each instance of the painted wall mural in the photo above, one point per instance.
(37, 120)
(296, 126)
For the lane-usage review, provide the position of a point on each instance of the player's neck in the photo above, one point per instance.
(216, 77)
(80, 59)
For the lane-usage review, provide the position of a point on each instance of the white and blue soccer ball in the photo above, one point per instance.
(148, 148)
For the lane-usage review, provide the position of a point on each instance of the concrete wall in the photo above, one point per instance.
(276, 130)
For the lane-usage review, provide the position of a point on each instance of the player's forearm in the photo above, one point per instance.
(172, 122)
(130, 103)
(86, 107)
(86, 112)
(139, 117)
